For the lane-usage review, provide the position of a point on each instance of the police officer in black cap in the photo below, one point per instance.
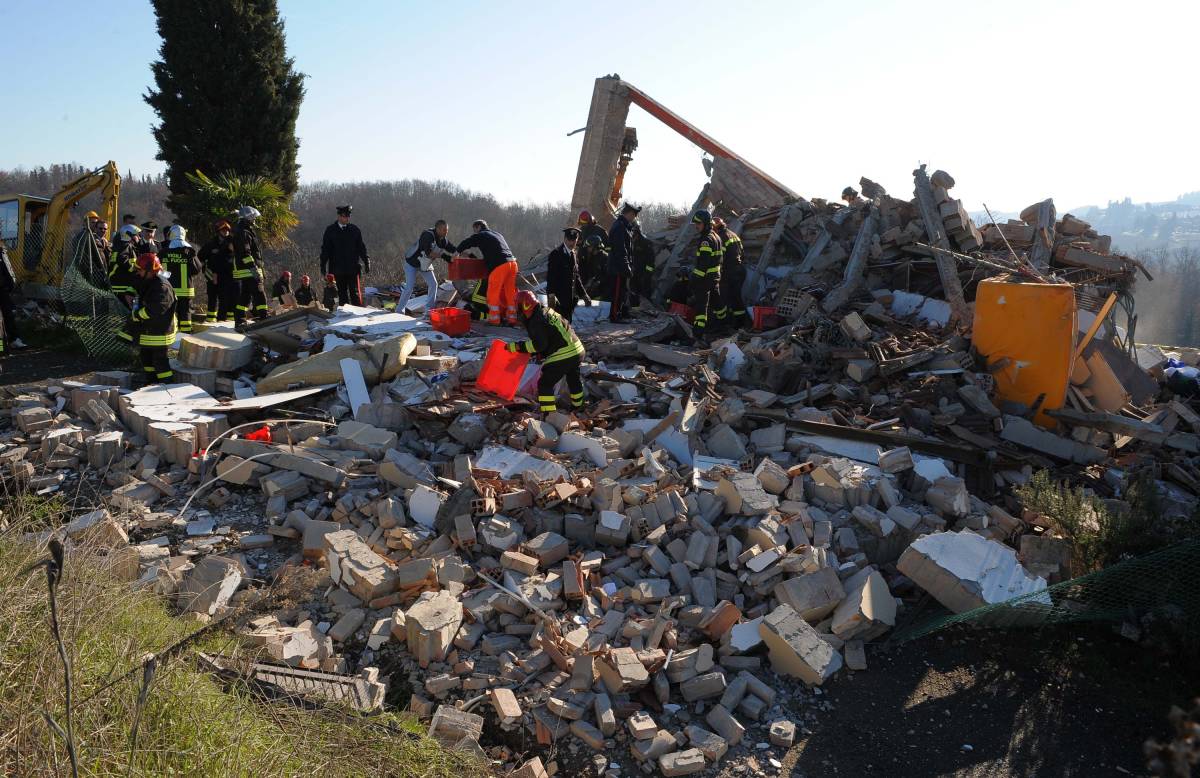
(562, 276)
(344, 254)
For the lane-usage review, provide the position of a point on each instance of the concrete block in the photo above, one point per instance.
(963, 571)
(869, 609)
(814, 596)
(795, 647)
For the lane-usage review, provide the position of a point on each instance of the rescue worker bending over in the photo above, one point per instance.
(216, 256)
(556, 345)
(247, 267)
(501, 272)
(562, 275)
(282, 285)
(732, 310)
(342, 251)
(706, 272)
(154, 322)
(305, 294)
(432, 244)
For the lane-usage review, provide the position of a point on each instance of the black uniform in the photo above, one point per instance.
(706, 278)
(217, 258)
(304, 295)
(121, 275)
(478, 305)
(342, 249)
(620, 267)
(562, 280)
(247, 271)
(154, 323)
(733, 276)
(561, 352)
(281, 287)
(593, 258)
(184, 265)
(643, 264)
(8, 285)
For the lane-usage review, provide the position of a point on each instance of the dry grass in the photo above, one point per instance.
(191, 724)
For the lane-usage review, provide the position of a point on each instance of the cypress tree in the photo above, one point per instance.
(227, 96)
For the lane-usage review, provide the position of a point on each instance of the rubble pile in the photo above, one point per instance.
(657, 576)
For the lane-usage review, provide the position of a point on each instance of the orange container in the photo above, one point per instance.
(452, 321)
(467, 269)
(1027, 334)
(502, 371)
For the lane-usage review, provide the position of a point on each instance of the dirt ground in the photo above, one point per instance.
(1060, 702)
(34, 365)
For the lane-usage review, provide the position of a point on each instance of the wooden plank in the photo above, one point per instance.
(1092, 330)
(947, 267)
(753, 286)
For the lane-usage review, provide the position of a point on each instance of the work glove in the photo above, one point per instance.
(512, 348)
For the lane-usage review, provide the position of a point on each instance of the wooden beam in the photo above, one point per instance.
(947, 267)
(1092, 330)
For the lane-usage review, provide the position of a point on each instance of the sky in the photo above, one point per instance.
(1019, 100)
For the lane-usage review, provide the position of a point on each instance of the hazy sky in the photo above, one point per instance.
(1018, 100)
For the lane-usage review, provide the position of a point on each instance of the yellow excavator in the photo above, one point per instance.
(34, 229)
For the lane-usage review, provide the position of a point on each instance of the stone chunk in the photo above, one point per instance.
(97, 527)
(774, 479)
(726, 443)
(347, 625)
(209, 585)
(549, 548)
(712, 745)
(703, 686)
(355, 567)
(963, 571)
(681, 762)
(814, 595)
(728, 727)
(795, 647)
(431, 624)
(622, 671)
(869, 609)
(782, 733)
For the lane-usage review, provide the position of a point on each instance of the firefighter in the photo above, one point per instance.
(620, 262)
(706, 272)
(501, 272)
(732, 310)
(305, 294)
(344, 254)
(432, 244)
(593, 252)
(154, 322)
(282, 285)
(216, 257)
(183, 264)
(247, 267)
(556, 345)
(122, 265)
(329, 298)
(562, 275)
(643, 265)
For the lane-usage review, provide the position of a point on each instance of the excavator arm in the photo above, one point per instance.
(58, 217)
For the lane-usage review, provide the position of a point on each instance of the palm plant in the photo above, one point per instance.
(213, 199)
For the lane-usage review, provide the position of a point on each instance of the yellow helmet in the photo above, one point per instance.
(93, 215)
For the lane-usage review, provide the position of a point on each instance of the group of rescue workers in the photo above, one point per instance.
(158, 280)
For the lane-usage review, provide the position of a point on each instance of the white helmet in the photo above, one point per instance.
(248, 212)
(129, 230)
(176, 232)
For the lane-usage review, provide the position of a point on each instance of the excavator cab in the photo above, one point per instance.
(23, 230)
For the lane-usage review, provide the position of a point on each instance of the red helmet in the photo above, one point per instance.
(148, 263)
(329, 279)
(304, 279)
(287, 274)
(585, 217)
(526, 302)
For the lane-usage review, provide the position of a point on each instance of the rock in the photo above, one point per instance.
(725, 443)
(782, 733)
(209, 585)
(796, 649)
(431, 624)
(681, 762)
(814, 595)
(869, 609)
(963, 571)
(355, 567)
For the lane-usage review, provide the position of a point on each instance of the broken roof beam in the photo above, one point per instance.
(947, 267)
